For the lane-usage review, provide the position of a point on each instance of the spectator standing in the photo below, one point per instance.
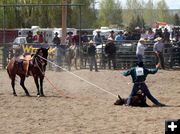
(84, 38)
(111, 35)
(92, 56)
(38, 38)
(75, 39)
(136, 33)
(69, 38)
(29, 38)
(158, 49)
(150, 34)
(140, 49)
(110, 50)
(175, 34)
(56, 39)
(119, 38)
(158, 33)
(143, 33)
(41, 38)
(166, 36)
(97, 38)
(128, 36)
(76, 42)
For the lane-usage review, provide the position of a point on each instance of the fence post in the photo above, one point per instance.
(5, 55)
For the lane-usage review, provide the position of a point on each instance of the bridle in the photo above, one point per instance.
(40, 64)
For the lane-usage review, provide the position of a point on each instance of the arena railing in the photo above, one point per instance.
(125, 55)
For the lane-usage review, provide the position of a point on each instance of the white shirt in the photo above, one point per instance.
(140, 49)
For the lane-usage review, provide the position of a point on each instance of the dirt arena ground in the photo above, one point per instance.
(89, 110)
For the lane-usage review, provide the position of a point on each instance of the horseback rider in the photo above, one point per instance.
(139, 75)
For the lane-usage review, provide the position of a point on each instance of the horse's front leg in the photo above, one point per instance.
(69, 64)
(37, 85)
(13, 86)
(41, 86)
(23, 86)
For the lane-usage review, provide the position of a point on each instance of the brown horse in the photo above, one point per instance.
(36, 68)
(72, 57)
(138, 100)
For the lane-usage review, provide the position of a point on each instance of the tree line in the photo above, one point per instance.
(109, 13)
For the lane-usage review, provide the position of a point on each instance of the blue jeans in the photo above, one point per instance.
(139, 57)
(92, 60)
(145, 90)
(160, 58)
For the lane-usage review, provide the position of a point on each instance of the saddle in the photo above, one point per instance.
(24, 61)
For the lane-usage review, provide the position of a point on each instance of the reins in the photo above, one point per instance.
(43, 73)
(40, 69)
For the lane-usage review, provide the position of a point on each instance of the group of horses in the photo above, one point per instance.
(37, 67)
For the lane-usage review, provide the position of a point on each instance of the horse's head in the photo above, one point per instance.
(43, 52)
(39, 59)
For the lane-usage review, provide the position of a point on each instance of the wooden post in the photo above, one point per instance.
(64, 21)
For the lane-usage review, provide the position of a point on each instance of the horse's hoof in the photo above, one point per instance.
(42, 95)
(28, 95)
(14, 94)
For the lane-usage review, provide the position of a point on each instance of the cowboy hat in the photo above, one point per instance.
(111, 31)
(137, 28)
(141, 39)
(29, 32)
(98, 30)
(158, 39)
(70, 33)
(91, 42)
(140, 64)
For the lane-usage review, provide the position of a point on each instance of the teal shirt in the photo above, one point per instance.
(142, 76)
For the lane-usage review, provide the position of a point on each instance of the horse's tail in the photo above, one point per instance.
(8, 68)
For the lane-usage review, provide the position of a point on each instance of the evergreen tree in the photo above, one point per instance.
(149, 12)
(110, 13)
(136, 22)
(162, 11)
(88, 16)
(133, 8)
(176, 20)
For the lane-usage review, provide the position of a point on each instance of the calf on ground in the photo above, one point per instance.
(138, 100)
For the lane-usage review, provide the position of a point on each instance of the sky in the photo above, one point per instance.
(172, 4)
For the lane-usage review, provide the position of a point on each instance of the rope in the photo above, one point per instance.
(79, 77)
(55, 87)
(43, 72)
